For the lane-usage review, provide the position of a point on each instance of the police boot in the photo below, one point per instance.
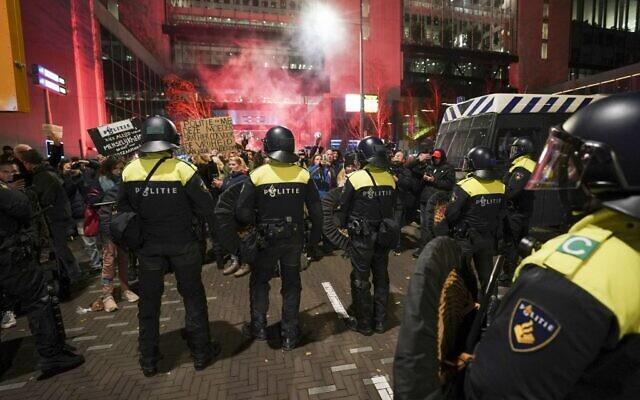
(256, 329)
(361, 295)
(149, 364)
(61, 362)
(205, 358)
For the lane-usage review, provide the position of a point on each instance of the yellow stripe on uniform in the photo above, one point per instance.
(272, 173)
(590, 267)
(476, 187)
(360, 179)
(523, 162)
(171, 170)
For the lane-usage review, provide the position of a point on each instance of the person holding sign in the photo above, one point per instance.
(166, 194)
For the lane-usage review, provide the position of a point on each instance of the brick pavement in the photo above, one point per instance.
(331, 363)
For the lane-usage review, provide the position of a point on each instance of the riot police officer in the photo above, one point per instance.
(367, 200)
(475, 210)
(519, 201)
(166, 192)
(273, 201)
(569, 327)
(21, 280)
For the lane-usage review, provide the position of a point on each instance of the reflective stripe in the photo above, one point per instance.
(269, 174)
(523, 162)
(360, 179)
(565, 106)
(476, 187)
(511, 105)
(532, 103)
(172, 170)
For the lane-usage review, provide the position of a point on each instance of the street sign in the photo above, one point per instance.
(352, 103)
(49, 80)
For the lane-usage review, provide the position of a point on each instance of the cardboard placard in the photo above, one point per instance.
(119, 138)
(53, 132)
(203, 135)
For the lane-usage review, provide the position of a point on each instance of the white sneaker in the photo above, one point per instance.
(130, 296)
(8, 320)
(109, 304)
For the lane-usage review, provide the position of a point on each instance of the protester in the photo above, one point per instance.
(406, 200)
(106, 191)
(320, 172)
(7, 154)
(237, 175)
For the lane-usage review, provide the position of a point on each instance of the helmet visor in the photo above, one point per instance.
(467, 165)
(514, 152)
(561, 164)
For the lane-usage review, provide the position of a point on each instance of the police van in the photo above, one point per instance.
(495, 120)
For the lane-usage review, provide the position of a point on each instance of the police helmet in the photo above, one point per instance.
(521, 146)
(596, 148)
(481, 161)
(371, 150)
(279, 144)
(159, 134)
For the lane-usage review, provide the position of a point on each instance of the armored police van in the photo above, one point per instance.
(495, 120)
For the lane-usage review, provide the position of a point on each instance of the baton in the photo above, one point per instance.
(104, 203)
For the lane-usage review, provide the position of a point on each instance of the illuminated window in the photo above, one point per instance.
(543, 51)
(545, 30)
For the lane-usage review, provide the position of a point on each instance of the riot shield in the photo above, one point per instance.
(439, 308)
(330, 226)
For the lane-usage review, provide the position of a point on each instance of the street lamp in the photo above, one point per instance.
(324, 26)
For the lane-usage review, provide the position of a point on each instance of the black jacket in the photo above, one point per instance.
(406, 184)
(15, 211)
(361, 200)
(51, 193)
(168, 204)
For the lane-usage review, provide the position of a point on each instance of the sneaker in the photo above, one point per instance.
(8, 320)
(130, 296)
(397, 252)
(245, 269)
(110, 304)
(232, 268)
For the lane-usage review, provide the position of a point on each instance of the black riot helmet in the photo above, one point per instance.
(159, 134)
(521, 146)
(372, 150)
(481, 161)
(596, 149)
(279, 144)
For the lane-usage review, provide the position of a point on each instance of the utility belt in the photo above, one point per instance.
(363, 227)
(279, 229)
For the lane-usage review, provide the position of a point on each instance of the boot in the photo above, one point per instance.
(220, 261)
(362, 305)
(61, 362)
(201, 362)
(255, 331)
(232, 268)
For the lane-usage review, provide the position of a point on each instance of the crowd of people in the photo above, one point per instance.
(258, 212)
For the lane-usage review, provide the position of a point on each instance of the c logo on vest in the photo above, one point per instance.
(578, 246)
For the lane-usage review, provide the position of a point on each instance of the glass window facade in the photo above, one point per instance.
(270, 6)
(609, 14)
(131, 88)
(487, 25)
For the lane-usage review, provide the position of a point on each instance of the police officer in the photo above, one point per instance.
(368, 197)
(273, 201)
(21, 280)
(519, 202)
(569, 327)
(166, 205)
(475, 210)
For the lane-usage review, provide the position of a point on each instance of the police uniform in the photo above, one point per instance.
(362, 207)
(519, 206)
(273, 200)
(167, 206)
(22, 280)
(569, 327)
(474, 213)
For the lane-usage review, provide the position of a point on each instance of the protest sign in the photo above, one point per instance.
(53, 132)
(117, 139)
(203, 135)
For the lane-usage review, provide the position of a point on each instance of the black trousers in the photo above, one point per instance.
(187, 266)
(517, 228)
(287, 254)
(22, 281)
(368, 258)
(481, 251)
(59, 233)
